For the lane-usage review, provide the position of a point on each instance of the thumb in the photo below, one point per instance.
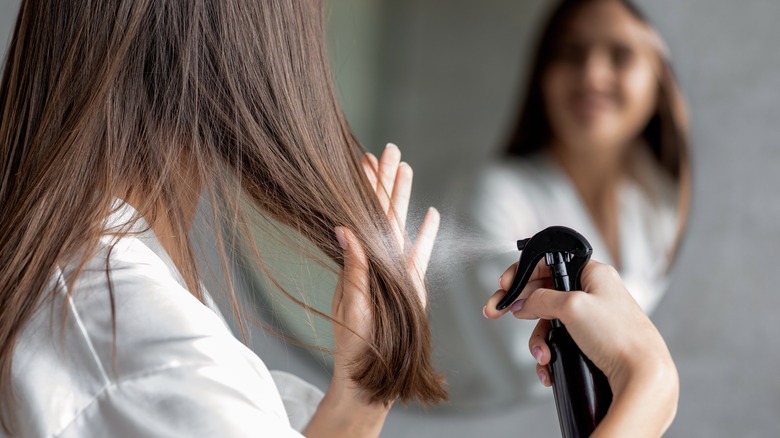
(353, 280)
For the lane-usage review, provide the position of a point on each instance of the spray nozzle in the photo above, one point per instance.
(566, 252)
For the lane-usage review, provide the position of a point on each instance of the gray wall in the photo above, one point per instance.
(721, 318)
(444, 90)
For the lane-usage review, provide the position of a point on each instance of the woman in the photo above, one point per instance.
(599, 145)
(117, 116)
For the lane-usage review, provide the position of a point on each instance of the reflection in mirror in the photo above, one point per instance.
(295, 282)
(599, 145)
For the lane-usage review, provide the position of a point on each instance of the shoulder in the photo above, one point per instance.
(516, 169)
(506, 193)
(513, 177)
(158, 344)
(152, 310)
(187, 400)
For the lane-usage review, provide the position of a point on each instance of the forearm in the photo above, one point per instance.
(644, 404)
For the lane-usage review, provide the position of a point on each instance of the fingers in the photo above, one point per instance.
(420, 253)
(391, 180)
(353, 284)
(388, 167)
(371, 168)
(402, 191)
(505, 280)
(537, 343)
(489, 310)
(551, 304)
(543, 373)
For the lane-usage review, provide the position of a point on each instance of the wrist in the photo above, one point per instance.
(645, 397)
(346, 411)
(654, 368)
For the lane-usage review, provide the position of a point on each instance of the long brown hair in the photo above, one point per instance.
(666, 133)
(103, 96)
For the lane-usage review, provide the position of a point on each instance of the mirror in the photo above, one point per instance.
(556, 114)
(598, 143)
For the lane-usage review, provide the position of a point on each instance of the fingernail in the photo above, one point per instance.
(542, 377)
(343, 243)
(391, 145)
(517, 305)
(484, 311)
(537, 354)
(370, 155)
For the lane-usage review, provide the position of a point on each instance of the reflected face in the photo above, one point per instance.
(600, 87)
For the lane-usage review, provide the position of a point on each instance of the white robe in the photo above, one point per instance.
(179, 371)
(516, 198)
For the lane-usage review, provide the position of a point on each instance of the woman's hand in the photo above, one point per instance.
(345, 410)
(391, 179)
(611, 329)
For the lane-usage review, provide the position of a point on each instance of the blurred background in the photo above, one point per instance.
(440, 79)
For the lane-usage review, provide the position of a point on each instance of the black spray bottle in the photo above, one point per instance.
(582, 393)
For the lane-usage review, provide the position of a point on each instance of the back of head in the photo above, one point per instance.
(144, 99)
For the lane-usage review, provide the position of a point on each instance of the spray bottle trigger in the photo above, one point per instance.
(563, 241)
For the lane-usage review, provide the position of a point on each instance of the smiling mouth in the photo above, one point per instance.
(587, 107)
